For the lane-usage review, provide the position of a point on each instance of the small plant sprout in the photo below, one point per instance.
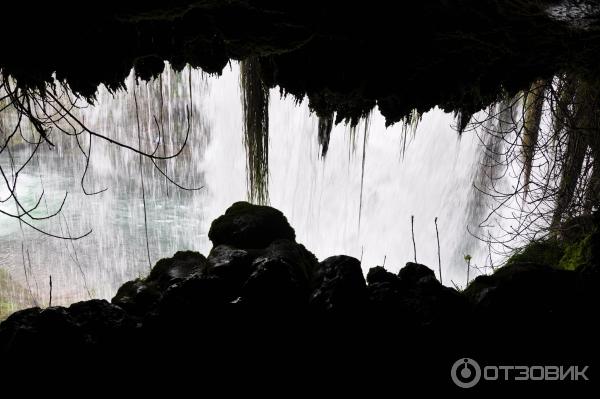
(412, 228)
(437, 234)
(468, 262)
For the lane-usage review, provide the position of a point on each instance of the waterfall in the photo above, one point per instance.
(320, 195)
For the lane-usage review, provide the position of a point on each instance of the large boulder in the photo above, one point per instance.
(191, 300)
(35, 331)
(414, 299)
(384, 293)
(232, 264)
(94, 325)
(411, 273)
(303, 260)
(525, 296)
(250, 226)
(139, 296)
(102, 323)
(275, 284)
(280, 276)
(378, 274)
(339, 285)
(183, 264)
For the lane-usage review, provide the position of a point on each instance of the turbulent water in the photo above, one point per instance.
(320, 197)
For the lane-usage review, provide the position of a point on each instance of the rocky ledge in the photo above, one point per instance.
(346, 57)
(261, 295)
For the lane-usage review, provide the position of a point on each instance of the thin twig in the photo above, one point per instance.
(437, 233)
(50, 299)
(412, 227)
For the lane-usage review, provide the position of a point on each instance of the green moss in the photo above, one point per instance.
(576, 254)
(574, 249)
(547, 252)
(6, 308)
(12, 295)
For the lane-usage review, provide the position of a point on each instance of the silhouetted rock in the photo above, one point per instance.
(280, 276)
(378, 274)
(414, 299)
(191, 299)
(526, 295)
(250, 226)
(413, 272)
(137, 296)
(275, 283)
(295, 254)
(232, 264)
(89, 326)
(170, 270)
(339, 285)
(103, 324)
(36, 331)
(140, 295)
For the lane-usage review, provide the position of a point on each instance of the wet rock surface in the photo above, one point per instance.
(278, 303)
(250, 226)
(459, 56)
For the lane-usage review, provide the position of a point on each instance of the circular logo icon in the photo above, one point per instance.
(465, 373)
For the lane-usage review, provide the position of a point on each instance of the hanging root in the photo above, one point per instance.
(362, 170)
(325, 127)
(409, 126)
(255, 106)
(463, 118)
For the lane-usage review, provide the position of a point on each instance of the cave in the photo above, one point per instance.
(288, 197)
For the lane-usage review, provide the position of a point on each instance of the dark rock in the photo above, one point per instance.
(304, 58)
(340, 285)
(250, 226)
(104, 324)
(415, 300)
(525, 296)
(193, 298)
(295, 254)
(378, 274)
(275, 283)
(438, 307)
(93, 325)
(231, 264)
(413, 272)
(385, 297)
(41, 331)
(384, 294)
(282, 275)
(139, 296)
(170, 270)
(148, 67)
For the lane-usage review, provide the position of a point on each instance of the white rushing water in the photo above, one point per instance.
(320, 197)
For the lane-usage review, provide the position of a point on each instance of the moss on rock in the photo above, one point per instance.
(249, 226)
(546, 252)
(576, 254)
